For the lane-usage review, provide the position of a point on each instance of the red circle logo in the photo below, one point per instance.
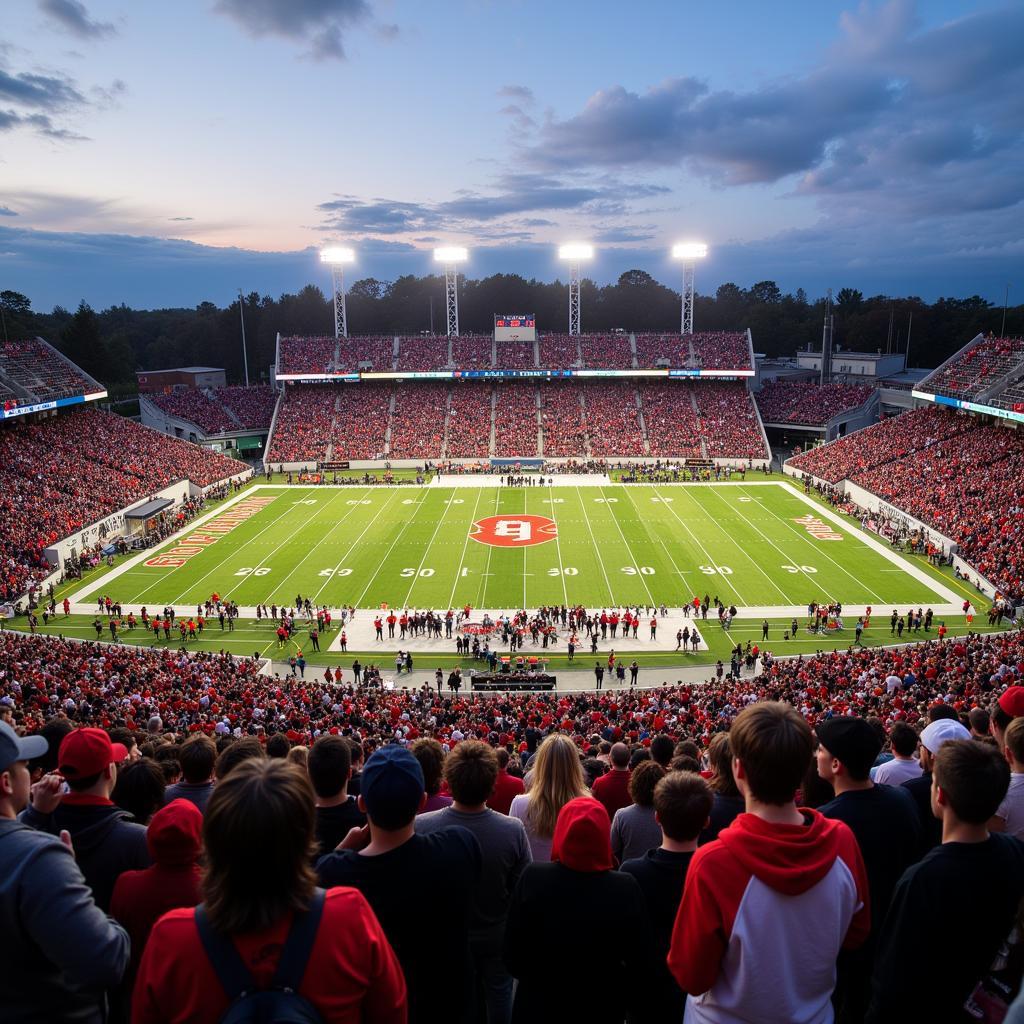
(515, 531)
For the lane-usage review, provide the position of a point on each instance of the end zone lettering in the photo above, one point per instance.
(817, 529)
(210, 533)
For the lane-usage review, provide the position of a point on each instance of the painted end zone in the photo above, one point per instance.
(210, 533)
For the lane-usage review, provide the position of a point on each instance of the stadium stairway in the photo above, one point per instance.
(391, 417)
(643, 422)
(494, 405)
(447, 422)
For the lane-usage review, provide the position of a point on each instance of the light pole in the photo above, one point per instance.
(245, 356)
(574, 253)
(451, 256)
(336, 257)
(689, 253)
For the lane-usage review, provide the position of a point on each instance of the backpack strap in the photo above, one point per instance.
(299, 945)
(227, 964)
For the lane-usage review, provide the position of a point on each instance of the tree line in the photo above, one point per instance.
(114, 343)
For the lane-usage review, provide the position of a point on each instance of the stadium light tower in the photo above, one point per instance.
(689, 253)
(336, 257)
(451, 256)
(574, 253)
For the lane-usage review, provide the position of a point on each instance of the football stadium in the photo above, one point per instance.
(372, 650)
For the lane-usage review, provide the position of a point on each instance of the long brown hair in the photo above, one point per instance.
(557, 779)
(258, 836)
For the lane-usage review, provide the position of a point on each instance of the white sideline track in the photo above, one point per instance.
(360, 633)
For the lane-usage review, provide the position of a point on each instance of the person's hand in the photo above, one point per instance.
(358, 838)
(65, 838)
(46, 794)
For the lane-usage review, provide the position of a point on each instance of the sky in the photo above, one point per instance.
(163, 154)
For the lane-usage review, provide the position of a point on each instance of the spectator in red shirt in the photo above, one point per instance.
(506, 787)
(612, 789)
(351, 975)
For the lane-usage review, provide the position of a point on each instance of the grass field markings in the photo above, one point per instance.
(231, 553)
(448, 506)
(763, 536)
(629, 549)
(490, 548)
(465, 548)
(805, 538)
(597, 550)
(352, 546)
(658, 539)
(330, 533)
(558, 546)
(707, 554)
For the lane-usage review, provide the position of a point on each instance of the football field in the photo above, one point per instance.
(753, 544)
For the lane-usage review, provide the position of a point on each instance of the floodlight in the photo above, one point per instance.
(337, 254)
(576, 251)
(689, 251)
(451, 254)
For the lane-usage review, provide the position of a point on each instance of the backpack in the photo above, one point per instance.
(281, 1002)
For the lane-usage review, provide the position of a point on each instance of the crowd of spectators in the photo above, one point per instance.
(417, 423)
(613, 419)
(956, 476)
(472, 352)
(515, 420)
(666, 349)
(253, 406)
(671, 420)
(360, 421)
(808, 402)
(721, 350)
(562, 422)
(976, 368)
(469, 422)
(306, 355)
(672, 809)
(370, 352)
(423, 352)
(32, 364)
(64, 473)
(195, 406)
(728, 421)
(606, 351)
(558, 351)
(515, 355)
(303, 429)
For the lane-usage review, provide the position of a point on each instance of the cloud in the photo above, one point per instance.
(181, 218)
(892, 118)
(72, 16)
(9, 120)
(44, 92)
(321, 24)
(6, 211)
(519, 93)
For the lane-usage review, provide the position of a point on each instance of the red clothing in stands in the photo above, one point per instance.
(612, 789)
(352, 974)
(505, 788)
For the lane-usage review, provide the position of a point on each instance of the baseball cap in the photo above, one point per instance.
(1012, 701)
(86, 752)
(392, 787)
(19, 748)
(851, 740)
(942, 731)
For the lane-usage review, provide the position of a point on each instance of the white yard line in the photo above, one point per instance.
(659, 539)
(465, 548)
(597, 550)
(352, 547)
(449, 505)
(632, 555)
(710, 561)
(490, 547)
(558, 547)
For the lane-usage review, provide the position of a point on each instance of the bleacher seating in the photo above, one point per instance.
(606, 351)
(562, 421)
(33, 365)
(196, 407)
(806, 402)
(558, 351)
(469, 422)
(721, 350)
(417, 423)
(303, 429)
(976, 368)
(423, 352)
(306, 355)
(667, 349)
(253, 406)
(515, 421)
(728, 421)
(360, 421)
(372, 352)
(472, 352)
(69, 471)
(613, 419)
(671, 420)
(515, 355)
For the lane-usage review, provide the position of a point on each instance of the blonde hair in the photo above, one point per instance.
(557, 779)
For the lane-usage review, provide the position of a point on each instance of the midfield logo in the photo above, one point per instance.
(514, 531)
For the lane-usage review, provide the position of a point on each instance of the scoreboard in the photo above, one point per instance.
(515, 327)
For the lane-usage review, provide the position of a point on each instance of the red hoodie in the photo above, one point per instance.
(141, 898)
(764, 914)
(582, 840)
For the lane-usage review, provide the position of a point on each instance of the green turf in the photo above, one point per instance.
(411, 547)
